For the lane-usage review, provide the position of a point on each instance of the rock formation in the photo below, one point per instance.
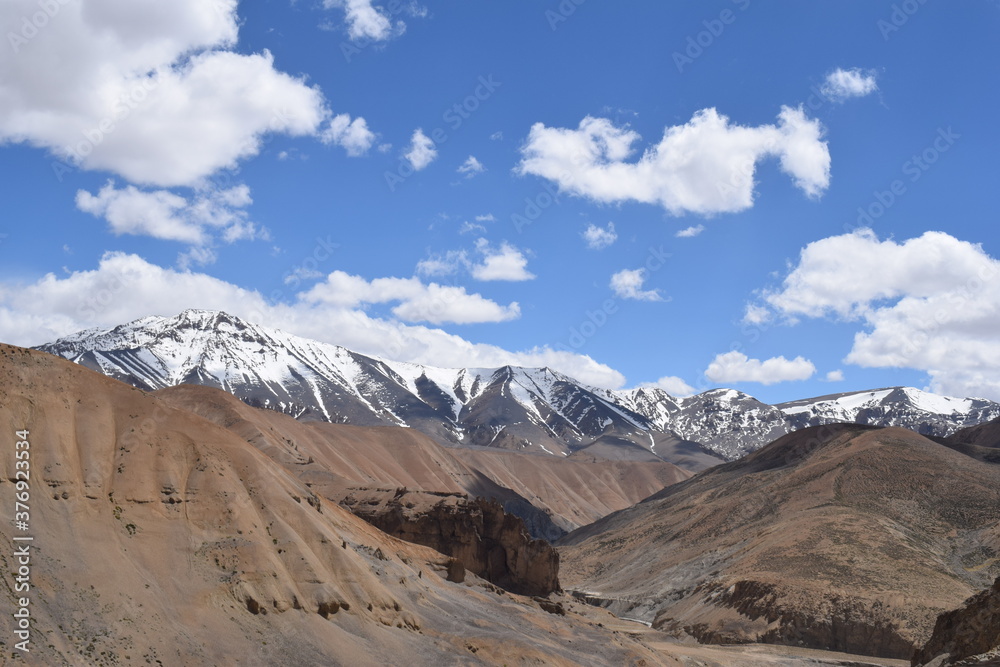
(969, 635)
(478, 533)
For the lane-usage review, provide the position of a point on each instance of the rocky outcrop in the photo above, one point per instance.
(969, 635)
(476, 532)
(842, 538)
(770, 615)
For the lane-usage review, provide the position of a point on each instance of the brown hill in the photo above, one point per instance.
(981, 435)
(552, 495)
(159, 537)
(842, 537)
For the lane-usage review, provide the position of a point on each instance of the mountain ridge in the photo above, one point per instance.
(515, 408)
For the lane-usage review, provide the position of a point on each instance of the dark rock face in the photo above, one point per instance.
(969, 635)
(477, 533)
(835, 622)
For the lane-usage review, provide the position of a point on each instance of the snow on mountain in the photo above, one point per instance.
(514, 408)
(534, 409)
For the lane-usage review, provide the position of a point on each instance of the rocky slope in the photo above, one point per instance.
(518, 409)
(160, 537)
(845, 537)
(552, 495)
(482, 537)
(969, 635)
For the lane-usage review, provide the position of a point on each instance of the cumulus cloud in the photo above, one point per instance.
(418, 302)
(503, 263)
(123, 286)
(485, 262)
(421, 151)
(737, 367)
(152, 92)
(674, 386)
(690, 232)
(161, 214)
(930, 303)
(705, 166)
(365, 21)
(471, 167)
(841, 84)
(598, 238)
(628, 283)
(835, 376)
(352, 135)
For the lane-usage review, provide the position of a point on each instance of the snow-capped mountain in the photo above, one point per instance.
(511, 408)
(732, 423)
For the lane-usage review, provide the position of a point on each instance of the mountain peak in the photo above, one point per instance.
(207, 319)
(510, 407)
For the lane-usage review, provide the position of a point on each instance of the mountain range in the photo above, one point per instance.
(520, 409)
(841, 537)
(183, 526)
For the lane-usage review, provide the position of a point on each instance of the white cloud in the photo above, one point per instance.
(835, 376)
(705, 166)
(503, 263)
(674, 386)
(164, 215)
(628, 283)
(195, 256)
(352, 135)
(842, 84)
(421, 151)
(930, 303)
(854, 276)
(434, 303)
(468, 227)
(600, 237)
(690, 232)
(150, 92)
(366, 21)
(443, 265)
(471, 167)
(485, 218)
(756, 314)
(123, 286)
(737, 367)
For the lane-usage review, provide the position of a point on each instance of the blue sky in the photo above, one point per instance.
(416, 180)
